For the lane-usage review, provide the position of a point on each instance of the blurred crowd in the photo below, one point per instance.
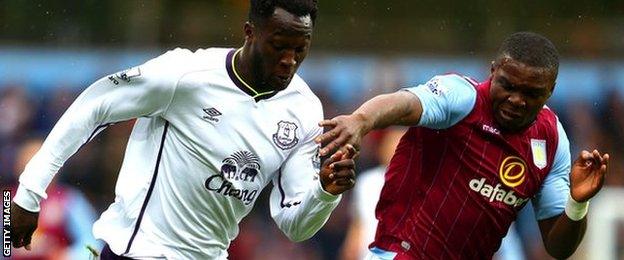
(27, 115)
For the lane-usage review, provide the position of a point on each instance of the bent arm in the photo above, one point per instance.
(298, 204)
(438, 104)
(561, 234)
(399, 108)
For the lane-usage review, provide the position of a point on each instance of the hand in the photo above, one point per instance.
(338, 172)
(587, 175)
(346, 129)
(23, 225)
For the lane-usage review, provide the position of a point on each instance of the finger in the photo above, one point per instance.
(343, 164)
(345, 174)
(345, 182)
(327, 123)
(586, 158)
(324, 137)
(17, 243)
(327, 135)
(27, 239)
(605, 159)
(350, 152)
(332, 146)
(596, 155)
(334, 158)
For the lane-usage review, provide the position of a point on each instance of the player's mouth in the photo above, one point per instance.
(509, 115)
(282, 80)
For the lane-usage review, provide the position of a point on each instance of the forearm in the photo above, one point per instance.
(565, 237)
(300, 221)
(568, 230)
(76, 126)
(99, 105)
(399, 108)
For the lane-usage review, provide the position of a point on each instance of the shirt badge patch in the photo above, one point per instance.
(126, 75)
(538, 148)
(435, 87)
(286, 135)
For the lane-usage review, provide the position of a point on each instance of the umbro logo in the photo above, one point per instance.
(211, 114)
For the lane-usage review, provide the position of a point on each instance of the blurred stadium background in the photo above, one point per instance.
(51, 50)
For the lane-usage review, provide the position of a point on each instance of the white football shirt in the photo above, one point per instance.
(198, 157)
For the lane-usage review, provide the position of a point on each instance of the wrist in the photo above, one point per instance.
(365, 121)
(27, 199)
(322, 194)
(576, 210)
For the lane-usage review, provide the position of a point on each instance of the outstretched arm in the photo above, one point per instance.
(562, 234)
(438, 104)
(143, 91)
(399, 108)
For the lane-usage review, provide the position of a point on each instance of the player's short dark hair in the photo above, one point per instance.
(531, 49)
(260, 10)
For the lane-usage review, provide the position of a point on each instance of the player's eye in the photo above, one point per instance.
(278, 47)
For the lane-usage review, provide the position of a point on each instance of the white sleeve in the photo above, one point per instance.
(143, 91)
(298, 203)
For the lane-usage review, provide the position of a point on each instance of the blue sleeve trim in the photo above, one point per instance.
(551, 199)
(446, 100)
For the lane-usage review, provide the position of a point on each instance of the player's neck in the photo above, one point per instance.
(243, 70)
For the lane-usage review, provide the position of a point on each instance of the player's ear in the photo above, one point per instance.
(493, 66)
(248, 28)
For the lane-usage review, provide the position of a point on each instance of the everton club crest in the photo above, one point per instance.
(286, 136)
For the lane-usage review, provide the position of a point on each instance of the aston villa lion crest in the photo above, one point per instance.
(285, 137)
(538, 148)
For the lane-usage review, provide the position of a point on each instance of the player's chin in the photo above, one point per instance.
(281, 83)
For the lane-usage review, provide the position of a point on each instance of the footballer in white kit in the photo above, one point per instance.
(204, 145)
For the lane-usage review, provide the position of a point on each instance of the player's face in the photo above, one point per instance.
(278, 46)
(519, 92)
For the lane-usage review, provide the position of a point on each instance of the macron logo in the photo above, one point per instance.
(212, 114)
(496, 193)
(490, 129)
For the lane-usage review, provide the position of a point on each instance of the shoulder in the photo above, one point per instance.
(185, 60)
(174, 65)
(452, 87)
(451, 83)
(304, 94)
(302, 88)
(549, 121)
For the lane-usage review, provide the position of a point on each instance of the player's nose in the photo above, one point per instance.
(516, 100)
(288, 59)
